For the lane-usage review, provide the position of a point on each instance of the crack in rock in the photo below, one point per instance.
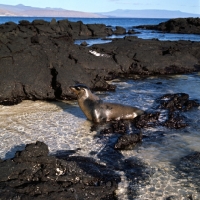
(55, 84)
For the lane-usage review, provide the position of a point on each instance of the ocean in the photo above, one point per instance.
(63, 126)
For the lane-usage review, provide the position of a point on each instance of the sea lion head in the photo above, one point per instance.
(80, 90)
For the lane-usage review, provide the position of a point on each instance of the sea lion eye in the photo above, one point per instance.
(78, 88)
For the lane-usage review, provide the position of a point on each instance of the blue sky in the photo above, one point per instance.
(190, 6)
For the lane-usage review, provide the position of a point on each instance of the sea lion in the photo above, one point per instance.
(97, 111)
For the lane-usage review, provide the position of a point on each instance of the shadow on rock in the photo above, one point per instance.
(33, 174)
(11, 152)
(132, 170)
(122, 135)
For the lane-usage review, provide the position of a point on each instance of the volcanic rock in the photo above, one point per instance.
(146, 120)
(33, 174)
(115, 126)
(131, 31)
(175, 103)
(39, 60)
(151, 57)
(100, 30)
(179, 25)
(39, 63)
(128, 141)
(119, 30)
(175, 120)
(178, 101)
(84, 44)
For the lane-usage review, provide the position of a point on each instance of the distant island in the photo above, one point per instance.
(28, 11)
(150, 13)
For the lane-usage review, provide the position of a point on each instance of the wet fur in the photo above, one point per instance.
(97, 111)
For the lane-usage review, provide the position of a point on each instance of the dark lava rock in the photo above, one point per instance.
(128, 141)
(178, 101)
(123, 134)
(32, 174)
(188, 168)
(149, 57)
(84, 44)
(102, 86)
(39, 60)
(146, 120)
(175, 103)
(33, 66)
(179, 25)
(118, 126)
(99, 30)
(131, 31)
(175, 120)
(119, 30)
(129, 130)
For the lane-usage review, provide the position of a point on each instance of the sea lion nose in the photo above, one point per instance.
(72, 89)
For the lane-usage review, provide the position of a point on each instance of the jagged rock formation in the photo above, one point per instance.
(179, 25)
(39, 60)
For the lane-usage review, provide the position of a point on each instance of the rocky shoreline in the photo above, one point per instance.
(39, 60)
(34, 174)
(179, 25)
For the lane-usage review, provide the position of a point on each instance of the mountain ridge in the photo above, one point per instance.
(148, 13)
(21, 10)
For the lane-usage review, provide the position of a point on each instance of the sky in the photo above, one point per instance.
(189, 6)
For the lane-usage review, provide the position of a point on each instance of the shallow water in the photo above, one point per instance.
(63, 126)
(145, 34)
